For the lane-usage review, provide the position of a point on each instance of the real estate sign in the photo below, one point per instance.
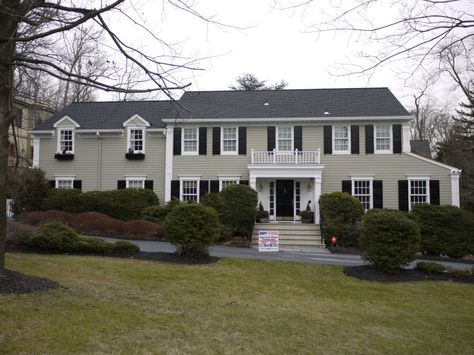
(268, 241)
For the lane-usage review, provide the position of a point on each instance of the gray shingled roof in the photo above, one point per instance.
(358, 102)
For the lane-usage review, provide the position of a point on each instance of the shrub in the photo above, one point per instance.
(192, 228)
(92, 245)
(37, 218)
(157, 213)
(124, 248)
(93, 223)
(445, 230)
(27, 189)
(55, 237)
(341, 216)
(19, 233)
(389, 239)
(216, 201)
(242, 203)
(430, 267)
(143, 230)
(62, 200)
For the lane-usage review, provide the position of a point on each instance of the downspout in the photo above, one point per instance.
(99, 162)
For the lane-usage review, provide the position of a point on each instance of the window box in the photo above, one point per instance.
(60, 156)
(135, 156)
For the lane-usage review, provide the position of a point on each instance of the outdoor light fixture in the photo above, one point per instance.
(310, 185)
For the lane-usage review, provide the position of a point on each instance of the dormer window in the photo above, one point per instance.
(66, 141)
(136, 128)
(136, 142)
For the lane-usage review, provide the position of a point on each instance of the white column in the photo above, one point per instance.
(36, 152)
(317, 195)
(455, 201)
(406, 138)
(253, 182)
(168, 162)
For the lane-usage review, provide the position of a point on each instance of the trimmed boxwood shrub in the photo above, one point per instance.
(389, 239)
(62, 200)
(216, 201)
(445, 230)
(242, 203)
(157, 213)
(341, 215)
(192, 228)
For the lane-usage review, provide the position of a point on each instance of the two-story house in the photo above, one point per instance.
(289, 145)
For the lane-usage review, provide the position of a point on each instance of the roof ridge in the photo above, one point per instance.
(286, 90)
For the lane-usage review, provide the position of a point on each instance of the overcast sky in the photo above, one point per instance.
(273, 45)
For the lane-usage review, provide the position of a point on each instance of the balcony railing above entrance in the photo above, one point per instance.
(291, 157)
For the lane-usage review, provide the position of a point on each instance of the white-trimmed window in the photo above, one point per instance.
(284, 139)
(418, 191)
(383, 139)
(362, 188)
(136, 140)
(66, 140)
(190, 141)
(341, 140)
(229, 139)
(227, 181)
(189, 190)
(64, 182)
(135, 183)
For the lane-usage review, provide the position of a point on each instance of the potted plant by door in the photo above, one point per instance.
(307, 215)
(262, 215)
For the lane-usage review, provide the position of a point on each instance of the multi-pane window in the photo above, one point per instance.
(135, 183)
(341, 139)
(190, 140)
(383, 138)
(66, 141)
(64, 183)
(419, 192)
(362, 189)
(190, 190)
(136, 140)
(228, 182)
(285, 139)
(229, 140)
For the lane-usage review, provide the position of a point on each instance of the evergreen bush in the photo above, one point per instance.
(27, 189)
(217, 202)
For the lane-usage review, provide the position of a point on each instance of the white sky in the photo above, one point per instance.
(275, 46)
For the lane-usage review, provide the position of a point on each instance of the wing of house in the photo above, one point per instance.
(289, 145)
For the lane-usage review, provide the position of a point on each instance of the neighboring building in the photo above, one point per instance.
(421, 147)
(289, 145)
(28, 115)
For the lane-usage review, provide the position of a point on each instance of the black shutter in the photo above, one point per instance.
(121, 184)
(434, 192)
(77, 184)
(175, 189)
(177, 141)
(203, 187)
(403, 195)
(378, 193)
(298, 131)
(202, 140)
(244, 182)
(216, 141)
(214, 186)
(52, 183)
(354, 139)
(347, 186)
(271, 139)
(369, 139)
(327, 139)
(242, 140)
(397, 138)
(149, 184)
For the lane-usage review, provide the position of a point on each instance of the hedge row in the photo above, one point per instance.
(93, 223)
(124, 204)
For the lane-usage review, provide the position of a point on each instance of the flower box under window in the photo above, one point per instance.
(60, 156)
(135, 156)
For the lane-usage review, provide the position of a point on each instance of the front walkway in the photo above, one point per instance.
(323, 257)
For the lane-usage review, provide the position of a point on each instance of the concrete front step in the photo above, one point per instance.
(289, 226)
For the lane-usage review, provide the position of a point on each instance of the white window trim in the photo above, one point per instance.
(129, 132)
(197, 141)
(190, 178)
(236, 151)
(383, 151)
(135, 178)
(341, 152)
(371, 179)
(417, 178)
(72, 129)
(63, 178)
(228, 178)
(292, 139)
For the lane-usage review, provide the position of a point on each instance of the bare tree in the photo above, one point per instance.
(249, 82)
(29, 33)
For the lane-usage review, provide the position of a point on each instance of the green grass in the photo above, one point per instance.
(128, 306)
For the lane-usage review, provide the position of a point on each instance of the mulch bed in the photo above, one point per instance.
(369, 273)
(17, 283)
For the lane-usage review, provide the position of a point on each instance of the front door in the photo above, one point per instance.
(284, 199)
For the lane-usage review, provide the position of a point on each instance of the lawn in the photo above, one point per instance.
(127, 306)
